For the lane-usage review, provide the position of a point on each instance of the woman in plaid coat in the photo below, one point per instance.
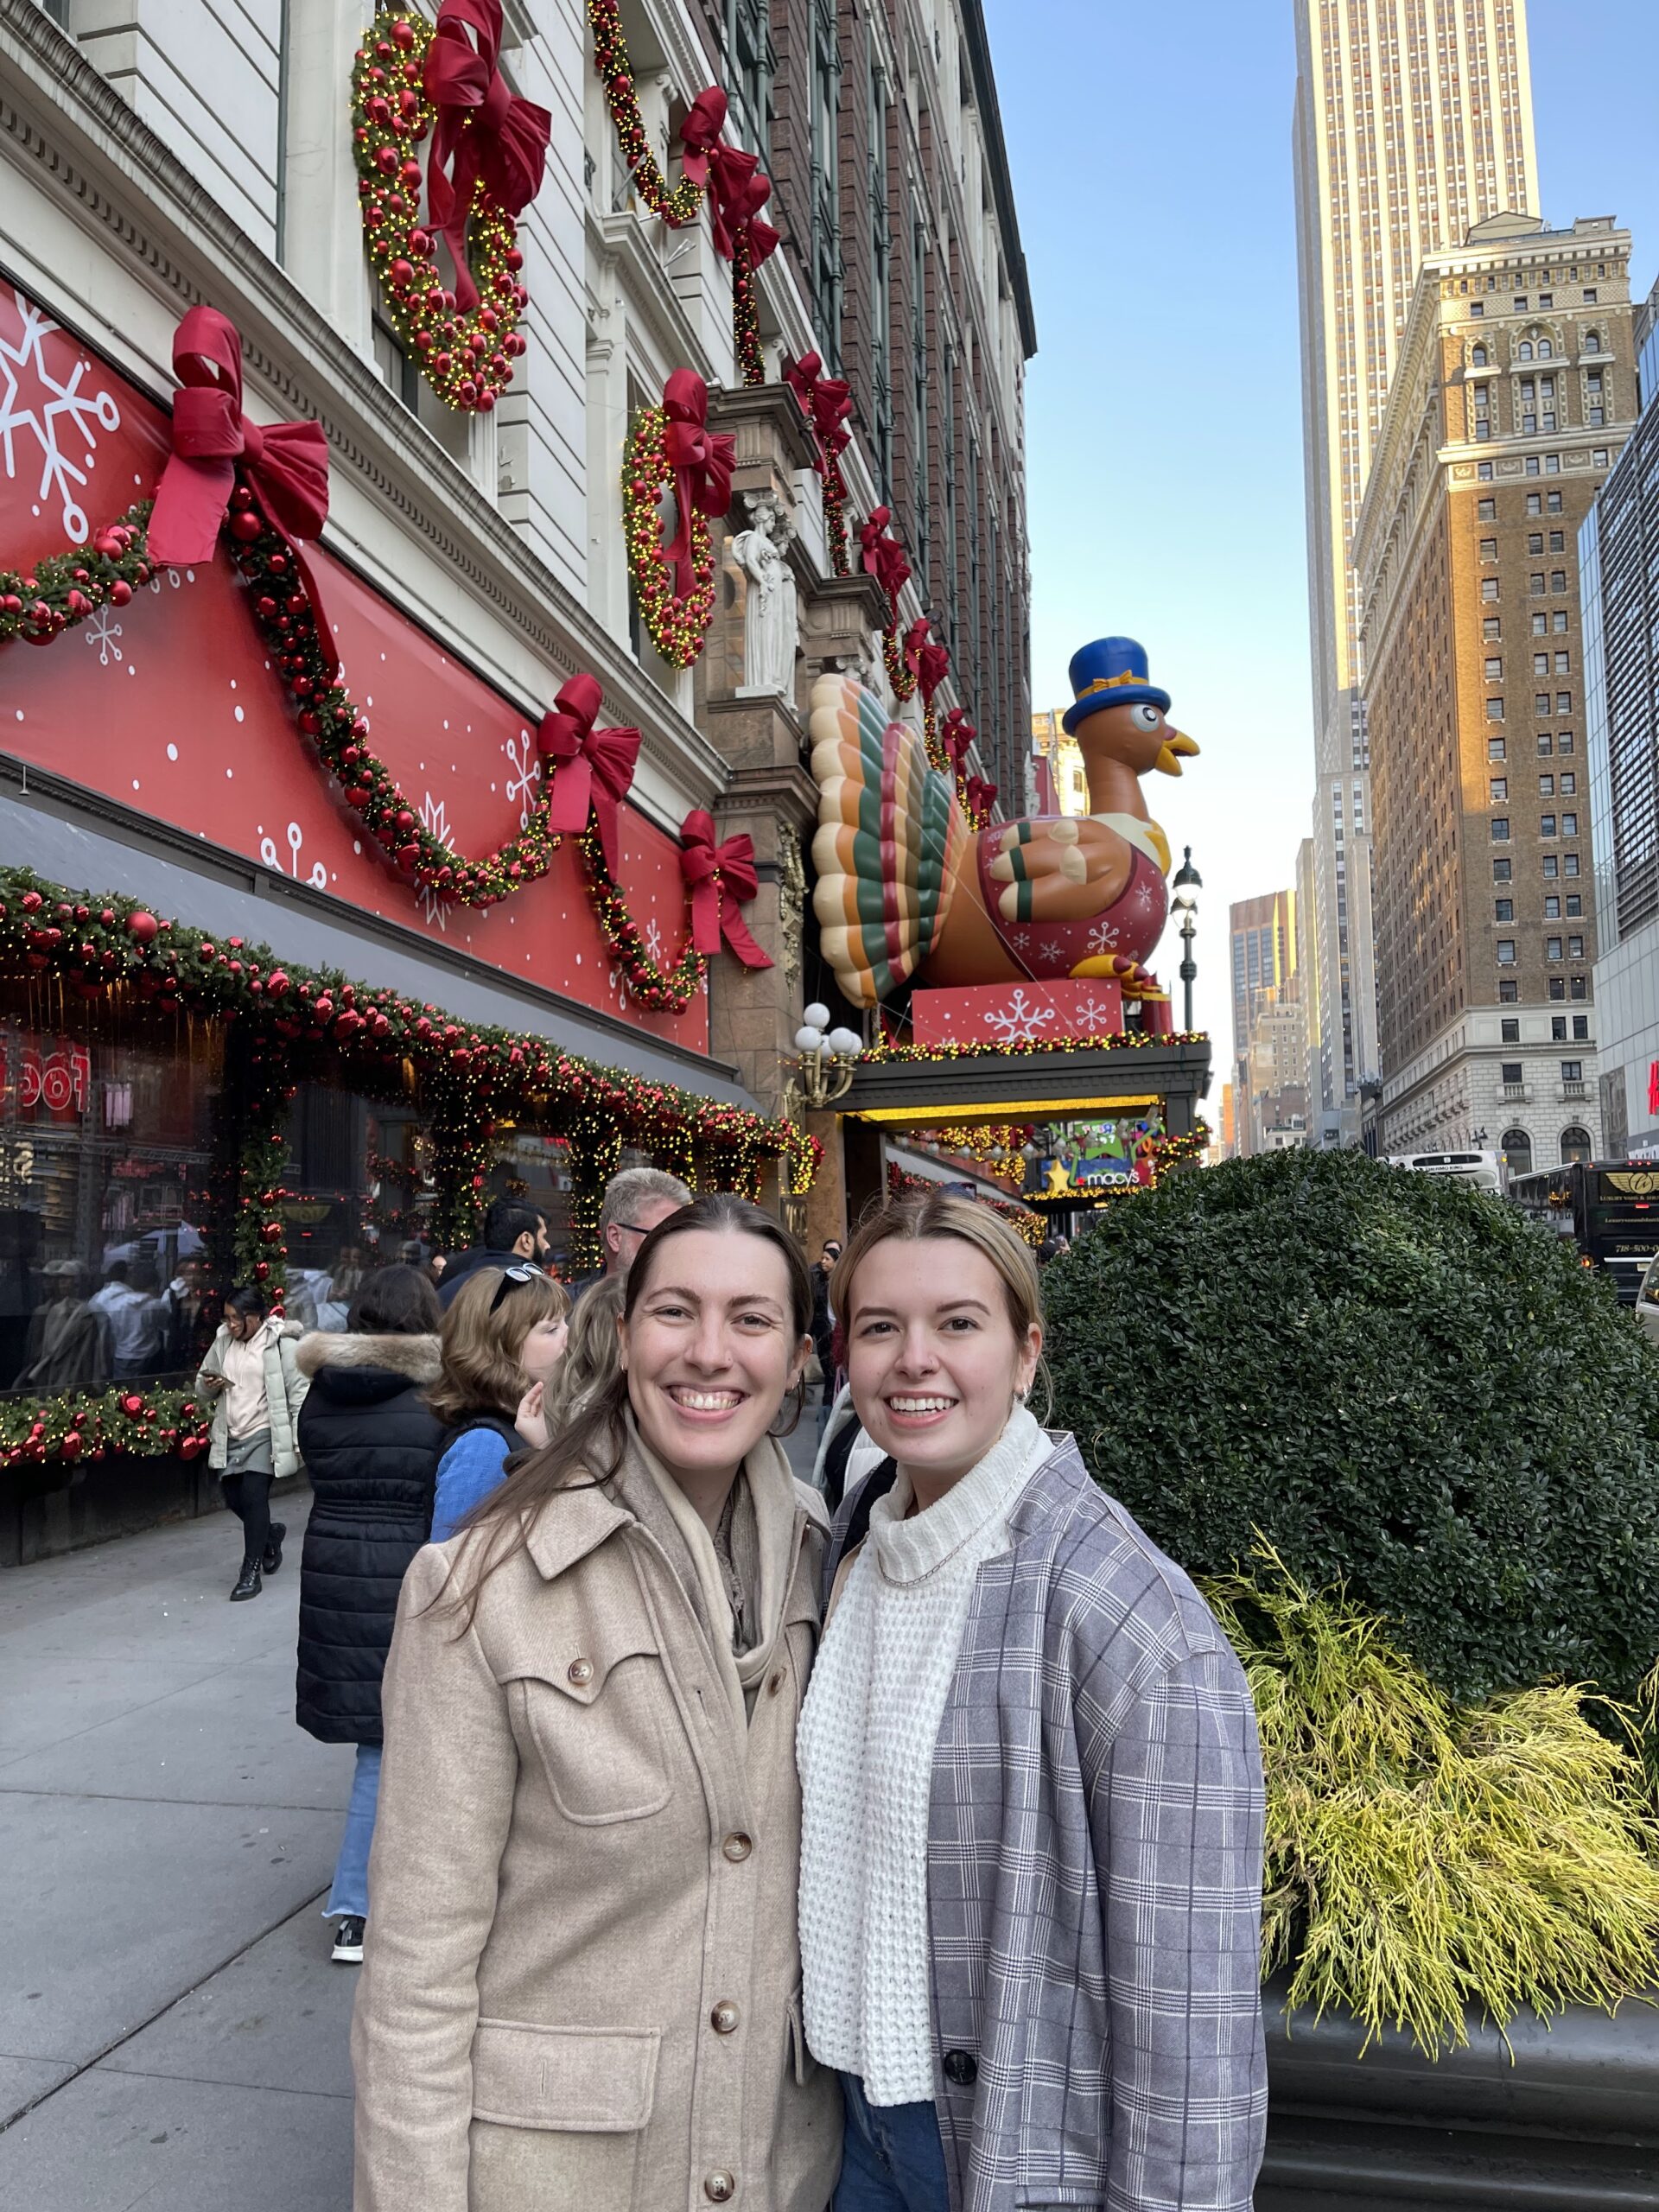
(1031, 1878)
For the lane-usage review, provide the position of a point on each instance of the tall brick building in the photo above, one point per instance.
(878, 122)
(1513, 391)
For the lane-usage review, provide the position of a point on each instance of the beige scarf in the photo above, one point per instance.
(763, 1516)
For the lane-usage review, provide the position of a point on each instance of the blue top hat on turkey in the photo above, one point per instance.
(1110, 672)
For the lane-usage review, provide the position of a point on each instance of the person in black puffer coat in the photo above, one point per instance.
(370, 1445)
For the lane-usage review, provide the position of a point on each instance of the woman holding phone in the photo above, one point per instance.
(582, 1980)
(1031, 1881)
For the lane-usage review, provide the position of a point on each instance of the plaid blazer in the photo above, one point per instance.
(1093, 1876)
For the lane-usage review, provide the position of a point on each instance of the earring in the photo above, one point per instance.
(1019, 1397)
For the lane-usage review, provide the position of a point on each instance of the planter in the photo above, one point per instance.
(1563, 2119)
(45, 1511)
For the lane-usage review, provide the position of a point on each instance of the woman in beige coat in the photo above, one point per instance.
(582, 1987)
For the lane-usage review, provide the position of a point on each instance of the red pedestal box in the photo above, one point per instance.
(1014, 1013)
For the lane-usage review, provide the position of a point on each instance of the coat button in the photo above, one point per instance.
(962, 2068)
(581, 1672)
(723, 2018)
(720, 2187)
(737, 1848)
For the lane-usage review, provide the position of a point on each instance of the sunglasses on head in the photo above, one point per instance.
(513, 1277)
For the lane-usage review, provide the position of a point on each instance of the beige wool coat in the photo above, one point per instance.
(581, 1984)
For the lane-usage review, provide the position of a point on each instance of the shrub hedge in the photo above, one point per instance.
(1403, 1386)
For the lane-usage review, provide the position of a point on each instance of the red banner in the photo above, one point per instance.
(170, 705)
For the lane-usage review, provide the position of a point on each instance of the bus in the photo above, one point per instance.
(1481, 1171)
(1609, 1208)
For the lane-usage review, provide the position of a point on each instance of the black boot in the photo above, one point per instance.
(273, 1553)
(249, 1585)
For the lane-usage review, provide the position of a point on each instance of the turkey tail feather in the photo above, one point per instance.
(891, 840)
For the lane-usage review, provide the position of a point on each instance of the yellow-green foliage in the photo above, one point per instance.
(1423, 1857)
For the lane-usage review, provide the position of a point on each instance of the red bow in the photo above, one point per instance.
(980, 796)
(699, 133)
(884, 556)
(286, 466)
(719, 879)
(926, 662)
(703, 460)
(738, 189)
(826, 402)
(957, 734)
(594, 767)
(483, 129)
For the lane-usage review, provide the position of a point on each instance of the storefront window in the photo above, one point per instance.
(537, 1169)
(360, 1195)
(104, 1167)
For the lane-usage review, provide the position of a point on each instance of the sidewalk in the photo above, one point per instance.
(172, 2030)
(172, 2033)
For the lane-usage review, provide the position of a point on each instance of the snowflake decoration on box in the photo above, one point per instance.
(526, 772)
(1093, 1017)
(102, 631)
(1019, 1022)
(434, 905)
(60, 407)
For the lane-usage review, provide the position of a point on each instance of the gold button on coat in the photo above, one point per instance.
(723, 2018)
(581, 1672)
(737, 1847)
(720, 2187)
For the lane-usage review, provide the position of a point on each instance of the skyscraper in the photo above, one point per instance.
(1413, 123)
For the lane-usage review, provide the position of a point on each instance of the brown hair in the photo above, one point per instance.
(481, 1372)
(590, 1442)
(942, 1213)
(593, 1351)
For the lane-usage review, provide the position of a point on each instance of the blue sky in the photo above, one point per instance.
(1151, 154)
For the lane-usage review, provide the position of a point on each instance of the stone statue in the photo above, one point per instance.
(769, 612)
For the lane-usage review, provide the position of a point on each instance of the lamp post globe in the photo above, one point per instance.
(1187, 885)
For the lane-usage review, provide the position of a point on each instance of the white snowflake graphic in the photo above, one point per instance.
(1104, 937)
(59, 409)
(317, 876)
(1095, 1017)
(1020, 939)
(434, 905)
(654, 936)
(102, 630)
(173, 578)
(526, 772)
(1019, 1021)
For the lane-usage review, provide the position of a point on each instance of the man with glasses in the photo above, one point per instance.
(635, 1201)
(513, 1229)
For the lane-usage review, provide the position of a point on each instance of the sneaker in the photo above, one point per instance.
(348, 1941)
(248, 1583)
(272, 1558)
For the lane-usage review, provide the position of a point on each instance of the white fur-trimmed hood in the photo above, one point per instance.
(417, 1357)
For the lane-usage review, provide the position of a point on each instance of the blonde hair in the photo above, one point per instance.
(481, 1349)
(942, 1213)
(593, 1351)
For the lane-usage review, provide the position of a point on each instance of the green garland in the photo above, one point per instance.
(85, 1425)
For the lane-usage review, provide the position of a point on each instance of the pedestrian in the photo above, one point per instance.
(371, 1446)
(513, 1229)
(127, 1299)
(635, 1201)
(581, 1988)
(593, 1352)
(823, 1324)
(256, 1389)
(1031, 1876)
(503, 1342)
(68, 1346)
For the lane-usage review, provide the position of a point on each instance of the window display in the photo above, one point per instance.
(105, 1160)
(359, 1195)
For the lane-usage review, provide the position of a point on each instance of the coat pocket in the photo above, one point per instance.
(598, 1726)
(559, 2115)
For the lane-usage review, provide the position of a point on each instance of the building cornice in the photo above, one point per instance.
(65, 128)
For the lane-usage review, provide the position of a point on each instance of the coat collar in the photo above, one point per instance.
(416, 1357)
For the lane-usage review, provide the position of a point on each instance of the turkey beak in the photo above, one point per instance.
(1176, 746)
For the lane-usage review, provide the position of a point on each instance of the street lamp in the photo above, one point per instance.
(825, 1069)
(1188, 884)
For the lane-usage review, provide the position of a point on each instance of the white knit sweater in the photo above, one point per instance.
(866, 1749)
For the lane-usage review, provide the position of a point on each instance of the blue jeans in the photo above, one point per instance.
(893, 2160)
(349, 1897)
